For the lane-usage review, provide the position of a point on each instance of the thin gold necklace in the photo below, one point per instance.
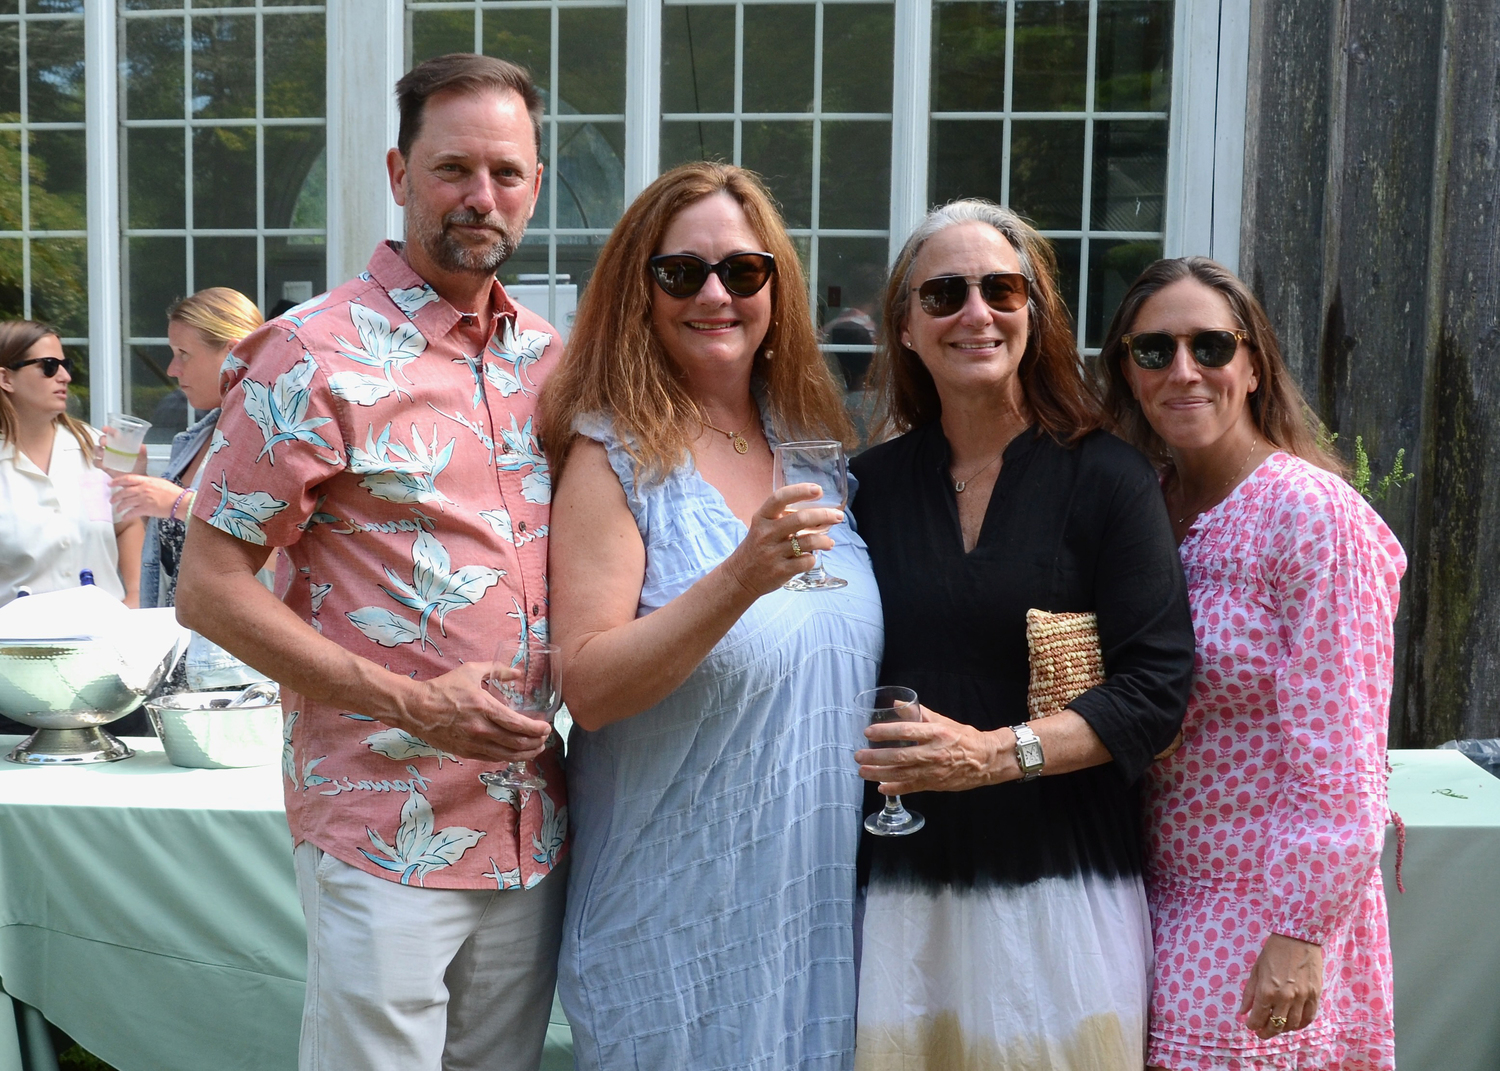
(959, 485)
(1223, 490)
(741, 444)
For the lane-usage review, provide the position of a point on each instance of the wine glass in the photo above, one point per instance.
(822, 462)
(535, 692)
(880, 705)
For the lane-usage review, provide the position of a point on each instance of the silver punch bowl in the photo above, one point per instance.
(69, 689)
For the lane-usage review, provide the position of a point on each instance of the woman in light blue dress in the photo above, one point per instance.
(715, 805)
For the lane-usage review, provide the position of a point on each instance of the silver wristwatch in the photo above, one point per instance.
(1028, 752)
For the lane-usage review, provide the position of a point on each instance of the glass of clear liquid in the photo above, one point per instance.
(819, 461)
(535, 691)
(881, 705)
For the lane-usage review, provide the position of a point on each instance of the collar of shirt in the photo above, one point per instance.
(62, 443)
(419, 302)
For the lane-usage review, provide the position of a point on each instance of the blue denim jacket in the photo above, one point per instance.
(185, 445)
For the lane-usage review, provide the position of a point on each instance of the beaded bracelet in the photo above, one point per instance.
(172, 516)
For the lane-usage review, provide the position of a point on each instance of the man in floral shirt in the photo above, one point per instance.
(382, 434)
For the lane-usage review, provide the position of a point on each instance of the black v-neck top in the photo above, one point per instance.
(1067, 529)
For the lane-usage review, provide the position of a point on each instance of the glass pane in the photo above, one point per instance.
(78, 390)
(697, 59)
(224, 176)
(1113, 266)
(10, 181)
(778, 69)
(1052, 53)
(1130, 175)
(12, 278)
(855, 175)
(59, 284)
(54, 69)
(227, 262)
(782, 154)
(576, 256)
(153, 394)
(857, 53)
(528, 264)
(590, 174)
(295, 269)
(851, 272)
(523, 37)
(1046, 172)
(153, 69)
(591, 60)
(296, 186)
(681, 142)
(55, 7)
(153, 5)
(10, 73)
(157, 277)
(968, 57)
(152, 162)
(224, 67)
(1134, 51)
(9, 7)
(967, 159)
(436, 33)
(296, 82)
(1068, 250)
(58, 170)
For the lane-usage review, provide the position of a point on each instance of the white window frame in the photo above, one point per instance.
(366, 54)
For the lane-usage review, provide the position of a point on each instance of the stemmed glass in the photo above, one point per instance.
(536, 692)
(822, 462)
(880, 705)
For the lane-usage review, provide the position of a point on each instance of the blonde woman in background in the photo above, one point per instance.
(51, 529)
(201, 330)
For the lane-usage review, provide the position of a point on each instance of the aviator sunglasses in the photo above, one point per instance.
(681, 275)
(1154, 350)
(1003, 291)
(50, 365)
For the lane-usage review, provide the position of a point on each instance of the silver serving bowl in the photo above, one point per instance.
(201, 730)
(68, 689)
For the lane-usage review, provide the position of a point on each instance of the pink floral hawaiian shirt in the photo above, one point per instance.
(373, 434)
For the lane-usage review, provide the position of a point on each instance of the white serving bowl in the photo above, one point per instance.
(200, 735)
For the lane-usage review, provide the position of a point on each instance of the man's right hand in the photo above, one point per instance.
(457, 713)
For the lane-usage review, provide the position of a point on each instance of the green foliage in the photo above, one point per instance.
(1361, 477)
(79, 1059)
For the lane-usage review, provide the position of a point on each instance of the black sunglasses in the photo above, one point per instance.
(50, 365)
(681, 275)
(1154, 350)
(1003, 291)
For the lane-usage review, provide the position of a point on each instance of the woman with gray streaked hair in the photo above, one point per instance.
(1012, 929)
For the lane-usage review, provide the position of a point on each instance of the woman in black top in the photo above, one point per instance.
(1012, 930)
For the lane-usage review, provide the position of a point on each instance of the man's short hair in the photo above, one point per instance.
(464, 72)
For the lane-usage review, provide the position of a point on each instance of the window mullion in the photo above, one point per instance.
(910, 92)
(102, 180)
(643, 31)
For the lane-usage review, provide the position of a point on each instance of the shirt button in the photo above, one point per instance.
(536, 611)
(521, 526)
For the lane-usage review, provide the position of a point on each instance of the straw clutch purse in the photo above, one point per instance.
(1065, 662)
(1065, 659)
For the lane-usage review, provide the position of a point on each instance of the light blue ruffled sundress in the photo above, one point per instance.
(710, 904)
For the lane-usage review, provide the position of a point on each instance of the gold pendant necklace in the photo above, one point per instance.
(1223, 490)
(741, 444)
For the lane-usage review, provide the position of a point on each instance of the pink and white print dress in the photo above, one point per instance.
(1271, 816)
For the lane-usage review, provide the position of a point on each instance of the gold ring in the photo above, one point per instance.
(1277, 1023)
(797, 550)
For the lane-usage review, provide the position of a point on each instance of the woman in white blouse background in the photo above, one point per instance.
(54, 507)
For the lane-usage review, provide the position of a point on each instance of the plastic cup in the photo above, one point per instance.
(123, 436)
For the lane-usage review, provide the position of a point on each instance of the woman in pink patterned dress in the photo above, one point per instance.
(1265, 827)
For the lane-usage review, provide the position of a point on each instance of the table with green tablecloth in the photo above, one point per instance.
(151, 912)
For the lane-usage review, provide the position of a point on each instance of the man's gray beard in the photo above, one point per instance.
(452, 255)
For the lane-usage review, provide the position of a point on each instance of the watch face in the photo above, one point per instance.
(1031, 754)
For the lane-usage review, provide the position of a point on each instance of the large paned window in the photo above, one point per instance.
(576, 53)
(801, 93)
(1058, 108)
(43, 225)
(221, 169)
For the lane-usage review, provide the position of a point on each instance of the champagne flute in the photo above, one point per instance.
(880, 705)
(536, 692)
(822, 462)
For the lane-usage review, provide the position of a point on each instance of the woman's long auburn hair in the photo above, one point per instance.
(1276, 405)
(16, 339)
(614, 363)
(1061, 400)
